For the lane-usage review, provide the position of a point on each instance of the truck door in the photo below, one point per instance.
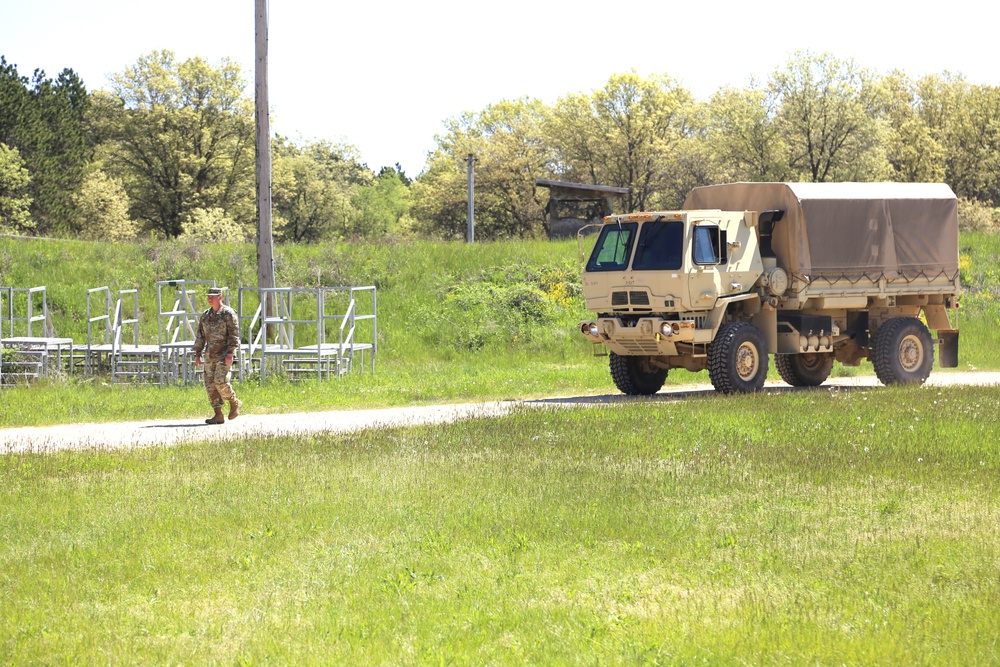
(708, 252)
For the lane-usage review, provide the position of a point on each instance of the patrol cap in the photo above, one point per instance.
(215, 291)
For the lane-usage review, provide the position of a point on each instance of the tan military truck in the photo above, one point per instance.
(809, 272)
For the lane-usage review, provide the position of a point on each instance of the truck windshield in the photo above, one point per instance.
(660, 247)
(614, 246)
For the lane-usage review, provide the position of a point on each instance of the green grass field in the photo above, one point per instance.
(828, 527)
(802, 527)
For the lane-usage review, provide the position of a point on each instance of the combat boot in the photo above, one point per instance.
(218, 418)
(234, 408)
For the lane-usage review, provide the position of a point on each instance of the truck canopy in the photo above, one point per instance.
(833, 231)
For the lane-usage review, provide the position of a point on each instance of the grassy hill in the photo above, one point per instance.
(455, 322)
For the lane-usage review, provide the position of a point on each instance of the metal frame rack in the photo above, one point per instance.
(177, 329)
(311, 333)
(34, 356)
(271, 340)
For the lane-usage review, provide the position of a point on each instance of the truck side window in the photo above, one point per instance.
(709, 245)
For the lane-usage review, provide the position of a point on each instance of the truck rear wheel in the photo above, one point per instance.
(636, 376)
(903, 351)
(804, 370)
(737, 359)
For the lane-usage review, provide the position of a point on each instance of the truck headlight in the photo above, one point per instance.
(589, 328)
(665, 329)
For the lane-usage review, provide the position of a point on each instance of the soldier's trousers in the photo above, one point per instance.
(217, 377)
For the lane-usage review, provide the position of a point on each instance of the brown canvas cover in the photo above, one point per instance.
(900, 231)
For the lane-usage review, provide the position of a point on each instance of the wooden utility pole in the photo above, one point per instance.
(265, 242)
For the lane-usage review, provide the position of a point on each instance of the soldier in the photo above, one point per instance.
(219, 331)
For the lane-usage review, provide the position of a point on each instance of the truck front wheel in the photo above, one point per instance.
(804, 370)
(903, 351)
(636, 376)
(737, 359)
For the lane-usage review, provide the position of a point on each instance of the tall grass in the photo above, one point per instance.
(456, 322)
(825, 527)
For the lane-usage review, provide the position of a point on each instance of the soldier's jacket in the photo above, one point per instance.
(218, 332)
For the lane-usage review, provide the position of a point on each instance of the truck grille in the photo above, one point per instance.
(639, 346)
(635, 298)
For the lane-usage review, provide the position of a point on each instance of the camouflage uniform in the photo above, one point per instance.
(219, 332)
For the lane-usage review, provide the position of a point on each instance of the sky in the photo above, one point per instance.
(385, 75)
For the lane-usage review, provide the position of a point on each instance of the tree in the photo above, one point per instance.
(911, 148)
(382, 206)
(44, 120)
(313, 190)
(745, 137)
(398, 170)
(968, 127)
(15, 201)
(102, 207)
(510, 152)
(826, 119)
(627, 135)
(181, 138)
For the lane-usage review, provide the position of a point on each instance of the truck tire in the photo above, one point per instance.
(737, 359)
(903, 352)
(804, 370)
(636, 376)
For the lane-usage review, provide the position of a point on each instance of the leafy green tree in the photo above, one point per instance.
(826, 119)
(313, 190)
(14, 102)
(45, 120)
(180, 135)
(745, 137)
(510, 151)
(911, 148)
(383, 206)
(15, 200)
(627, 134)
(398, 170)
(102, 207)
(969, 132)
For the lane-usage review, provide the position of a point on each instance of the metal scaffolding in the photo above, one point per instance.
(30, 357)
(313, 333)
(305, 336)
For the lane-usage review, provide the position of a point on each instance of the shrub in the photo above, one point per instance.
(212, 225)
(976, 216)
(102, 206)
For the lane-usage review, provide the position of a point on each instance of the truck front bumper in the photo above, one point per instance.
(648, 336)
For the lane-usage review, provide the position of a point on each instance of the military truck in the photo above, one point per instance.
(808, 272)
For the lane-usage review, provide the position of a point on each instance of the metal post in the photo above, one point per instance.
(472, 198)
(265, 250)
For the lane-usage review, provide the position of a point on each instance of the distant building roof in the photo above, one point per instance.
(605, 189)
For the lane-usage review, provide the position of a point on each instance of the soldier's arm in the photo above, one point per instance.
(199, 339)
(232, 333)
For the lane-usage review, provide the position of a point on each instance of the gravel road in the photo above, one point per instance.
(120, 435)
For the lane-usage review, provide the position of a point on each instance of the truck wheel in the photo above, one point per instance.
(804, 370)
(903, 352)
(636, 376)
(737, 358)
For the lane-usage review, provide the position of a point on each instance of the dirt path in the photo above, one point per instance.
(120, 435)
